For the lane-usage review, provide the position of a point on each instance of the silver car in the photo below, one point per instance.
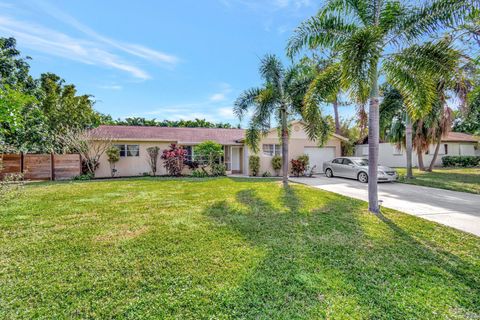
(356, 168)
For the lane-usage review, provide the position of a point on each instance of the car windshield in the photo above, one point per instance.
(361, 162)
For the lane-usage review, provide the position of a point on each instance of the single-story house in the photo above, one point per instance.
(133, 142)
(453, 144)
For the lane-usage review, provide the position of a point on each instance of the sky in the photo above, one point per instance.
(156, 59)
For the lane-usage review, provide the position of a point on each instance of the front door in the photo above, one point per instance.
(236, 161)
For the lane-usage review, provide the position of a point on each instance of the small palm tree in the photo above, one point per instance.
(384, 36)
(280, 97)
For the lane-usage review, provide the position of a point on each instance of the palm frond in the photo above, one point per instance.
(359, 54)
(434, 16)
(319, 31)
(356, 10)
(272, 71)
(244, 101)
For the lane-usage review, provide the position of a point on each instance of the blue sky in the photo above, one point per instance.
(155, 59)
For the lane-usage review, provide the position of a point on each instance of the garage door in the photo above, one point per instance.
(319, 155)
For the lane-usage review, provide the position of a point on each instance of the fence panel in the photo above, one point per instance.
(37, 166)
(66, 166)
(11, 163)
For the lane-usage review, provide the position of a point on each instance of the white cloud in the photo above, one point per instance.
(133, 49)
(56, 43)
(115, 87)
(226, 112)
(222, 94)
(217, 97)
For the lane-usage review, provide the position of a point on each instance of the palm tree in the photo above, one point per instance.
(280, 97)
(384, 36)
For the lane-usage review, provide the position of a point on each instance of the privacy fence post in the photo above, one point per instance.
(21, 162)
(52, 166)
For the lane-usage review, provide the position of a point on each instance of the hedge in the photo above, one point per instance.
(461, 161)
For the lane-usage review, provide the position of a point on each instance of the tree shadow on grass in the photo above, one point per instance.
(322, 263)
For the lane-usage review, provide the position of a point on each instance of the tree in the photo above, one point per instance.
(281, 97)
(113, 156)
(153, 153)
(384, 36)
(208, 154)
(90, 144)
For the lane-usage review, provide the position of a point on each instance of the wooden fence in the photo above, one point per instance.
(42, 166)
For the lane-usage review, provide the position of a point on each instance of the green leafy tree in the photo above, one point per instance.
(254, 164)
(209, 154)
(113, 156)
(280, 97)
(277, 164)
(384, 36)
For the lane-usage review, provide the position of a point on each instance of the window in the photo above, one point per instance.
(338, 160)
(445, 148)
(189, 155)
(347, 162)
(133, 150)
(272, 149)
(121, 147)
(128, 150)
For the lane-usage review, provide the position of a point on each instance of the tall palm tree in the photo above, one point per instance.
(280, 97)
(383, 36)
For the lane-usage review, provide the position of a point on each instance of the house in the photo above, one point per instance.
(133, 142)
(453, 144)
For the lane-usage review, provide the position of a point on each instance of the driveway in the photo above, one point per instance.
(458, 210)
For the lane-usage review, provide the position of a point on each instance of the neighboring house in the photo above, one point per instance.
(454, 144)
(133, 142)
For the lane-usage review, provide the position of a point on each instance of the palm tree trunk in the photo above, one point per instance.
(435, 155)
(409, 146)
(337, 119)
(284, 147)
(421, 166)
(373, 141)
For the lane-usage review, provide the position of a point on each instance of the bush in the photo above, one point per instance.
(254, 164)
(199, 174)
(304, 159)
(277, 164)
(83, 177)
(300, 165)
(174, 159)
(218, 169)
(266, 174)
(461, 161)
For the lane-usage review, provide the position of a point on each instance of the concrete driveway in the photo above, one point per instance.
(458, 210)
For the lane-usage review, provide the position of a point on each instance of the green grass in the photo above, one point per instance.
(457, 179)
(226, 248)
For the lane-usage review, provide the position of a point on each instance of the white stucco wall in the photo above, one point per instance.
(297, 142)
(390, 156)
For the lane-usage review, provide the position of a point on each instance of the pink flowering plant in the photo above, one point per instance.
(174, 159)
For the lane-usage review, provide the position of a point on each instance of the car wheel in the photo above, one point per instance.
(329, 173)
(363, 177)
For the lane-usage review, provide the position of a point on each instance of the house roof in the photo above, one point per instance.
(170, 134)
(459, 137)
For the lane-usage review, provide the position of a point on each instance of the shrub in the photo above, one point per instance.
(113, 156)
(174, 158)
(83, 177)
(218, 169)
(277, 164)
(153, 158)
(304, 159)
(208, 154)
(461, 161)
(266, 174)
(199, 173)
(300, 165)
(254, 164)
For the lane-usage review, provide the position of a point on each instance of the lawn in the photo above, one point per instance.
(226, 248)
(457, 179)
